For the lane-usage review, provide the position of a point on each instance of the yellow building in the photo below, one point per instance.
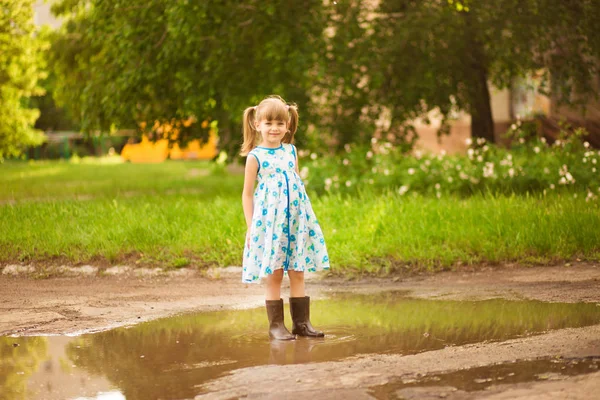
(148, 151)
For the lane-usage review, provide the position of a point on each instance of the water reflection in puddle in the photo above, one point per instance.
(173, 357)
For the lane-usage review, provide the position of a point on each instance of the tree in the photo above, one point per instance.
(347, 64)
(344, 104)
(19, 363)
(443, 53)
(20, 70)
(121, 62)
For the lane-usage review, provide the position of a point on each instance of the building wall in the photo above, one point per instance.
(460, 130)
(42, 14)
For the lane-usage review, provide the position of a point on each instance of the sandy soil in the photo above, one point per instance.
(87, 304)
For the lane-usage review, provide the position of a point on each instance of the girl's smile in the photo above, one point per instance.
(271, 131)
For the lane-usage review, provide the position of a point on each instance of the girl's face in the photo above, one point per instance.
(272, 131)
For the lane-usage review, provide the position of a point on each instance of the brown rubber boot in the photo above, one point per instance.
(277, 329)
(300, 309)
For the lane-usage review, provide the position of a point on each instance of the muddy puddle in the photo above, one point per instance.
(480, 378)
(171, 358)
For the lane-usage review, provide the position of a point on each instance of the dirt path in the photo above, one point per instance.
(87, 304)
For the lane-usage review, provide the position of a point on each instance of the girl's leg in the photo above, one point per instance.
(274, 304)
(296, 283)
(300, 307)
(274, 285)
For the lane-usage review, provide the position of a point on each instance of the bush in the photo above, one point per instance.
(530, 165)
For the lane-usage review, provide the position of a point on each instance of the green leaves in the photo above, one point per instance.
(123, 63)
(349, 66)
(419, 56)
(20, 69)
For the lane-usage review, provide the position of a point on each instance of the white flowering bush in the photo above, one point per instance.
(530, 165)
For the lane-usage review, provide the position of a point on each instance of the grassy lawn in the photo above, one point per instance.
(61, 180)
(187, 214)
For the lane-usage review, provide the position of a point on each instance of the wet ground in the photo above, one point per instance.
(450, 335)
(481, 378)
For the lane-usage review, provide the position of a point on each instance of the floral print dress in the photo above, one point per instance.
(285, 232)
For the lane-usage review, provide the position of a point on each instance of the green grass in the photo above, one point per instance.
(165, 215)
(52, 180)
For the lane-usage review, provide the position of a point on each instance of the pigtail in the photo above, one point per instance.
(249, 131)
(293, 123)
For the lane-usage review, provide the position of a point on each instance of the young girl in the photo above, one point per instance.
(283, 232)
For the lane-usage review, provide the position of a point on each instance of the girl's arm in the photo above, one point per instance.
(296, 154)
(247, 193)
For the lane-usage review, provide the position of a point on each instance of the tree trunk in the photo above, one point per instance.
(482, 122)
(227, 141)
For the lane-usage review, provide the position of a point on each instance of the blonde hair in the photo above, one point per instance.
(270, 109)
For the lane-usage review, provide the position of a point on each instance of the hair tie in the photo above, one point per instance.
(255, 108)
(287, 107)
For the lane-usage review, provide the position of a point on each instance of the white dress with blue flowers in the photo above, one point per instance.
(285, 232)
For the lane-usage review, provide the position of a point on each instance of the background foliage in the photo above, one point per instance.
(356, 69)
(530, 165)
(426, 55)
(125, 62)
(349, 64)
(21, 66)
